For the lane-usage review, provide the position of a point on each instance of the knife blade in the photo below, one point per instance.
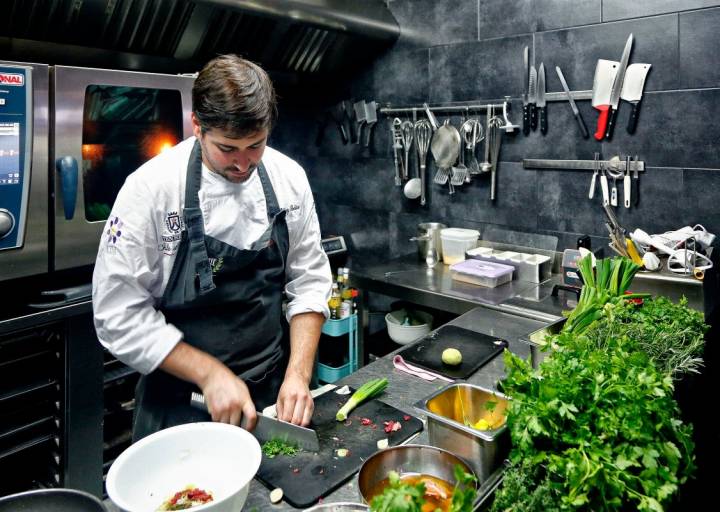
(532, 97)
(632, 90)
(526, 93)
(542, 106)
(605, 72)
(573, 106)
(617, 87)
(268, 428)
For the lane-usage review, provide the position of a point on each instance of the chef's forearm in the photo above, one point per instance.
(304, 337)
(191, 364)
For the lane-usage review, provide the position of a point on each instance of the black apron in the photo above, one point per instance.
(228, 303)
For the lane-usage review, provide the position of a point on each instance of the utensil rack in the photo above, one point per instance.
(561, 96)
(465, 107)
(615, 164)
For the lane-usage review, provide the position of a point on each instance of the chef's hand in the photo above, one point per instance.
(228, 398)
(295, 403)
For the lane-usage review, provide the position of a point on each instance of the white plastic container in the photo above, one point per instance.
(455, 241)
(404, 334)
(482, 273)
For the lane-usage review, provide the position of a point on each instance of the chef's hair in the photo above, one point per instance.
(235, 95)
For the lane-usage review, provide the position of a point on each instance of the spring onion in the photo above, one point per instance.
(367, 391)
(607, 287)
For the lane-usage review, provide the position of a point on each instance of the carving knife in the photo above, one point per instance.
(632, 90)
(268, 428)
(542, 107)
(617, 87)
(526, 93)
(532, 97)
(573, 106)
(605, 71)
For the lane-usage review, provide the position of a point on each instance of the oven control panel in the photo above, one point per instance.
(15, 151)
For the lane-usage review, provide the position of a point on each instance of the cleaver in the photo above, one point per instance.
(268, 428)
(605, 72)
(632, 90)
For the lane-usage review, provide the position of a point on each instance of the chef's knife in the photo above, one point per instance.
(268, 428)
(532, 97)
(617, 87)
(632, 90)
(605, 71)
(573, 106)
(541, 99)
(526, 93)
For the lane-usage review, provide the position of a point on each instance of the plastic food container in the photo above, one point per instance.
(482, 273)
(455, 241)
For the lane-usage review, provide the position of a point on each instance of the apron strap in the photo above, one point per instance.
(271, 201)
(194, 222)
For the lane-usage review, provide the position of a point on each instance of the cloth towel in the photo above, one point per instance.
(400, 364)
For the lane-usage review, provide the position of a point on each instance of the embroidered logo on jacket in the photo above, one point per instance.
(113, 231)
(216, 264)
(173, 221)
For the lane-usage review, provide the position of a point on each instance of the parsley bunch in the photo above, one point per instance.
(599, 426)
(279, 446)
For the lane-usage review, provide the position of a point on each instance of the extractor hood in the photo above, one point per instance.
(298, 38)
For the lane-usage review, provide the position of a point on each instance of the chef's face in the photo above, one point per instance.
(235, 159)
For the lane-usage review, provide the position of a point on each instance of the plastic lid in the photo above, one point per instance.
(460, 234)
(480, 268)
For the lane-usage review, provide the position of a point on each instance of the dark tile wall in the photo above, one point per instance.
(471, 50)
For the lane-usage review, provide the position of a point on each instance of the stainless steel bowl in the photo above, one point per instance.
(52, 500)
(410, 458)
(451, 408)
(338, 507)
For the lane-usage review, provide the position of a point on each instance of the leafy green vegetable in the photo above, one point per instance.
(526, 488)
(279, 447)
(672, 335)
(403, 497)
(608, 287)
(599, 428)
(367, 391)
(399, 496)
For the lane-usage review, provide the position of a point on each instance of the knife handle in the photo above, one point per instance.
(611, 123)
(602, 121)
(526, 119)
(581, 125)
(605, 191)
(636, 190)
(626, 190)
(632, 122)
(533, 116)
(543, 120)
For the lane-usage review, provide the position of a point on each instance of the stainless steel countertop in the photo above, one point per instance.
(409, 279)
(405, 390)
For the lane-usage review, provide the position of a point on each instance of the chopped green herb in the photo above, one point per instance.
(279, 447)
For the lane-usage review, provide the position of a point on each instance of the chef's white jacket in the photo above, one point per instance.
(142, 235)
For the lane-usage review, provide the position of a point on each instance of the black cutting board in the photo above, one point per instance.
(308, 476)
(476, 348)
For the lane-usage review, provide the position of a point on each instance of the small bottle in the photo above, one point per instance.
(335, 302)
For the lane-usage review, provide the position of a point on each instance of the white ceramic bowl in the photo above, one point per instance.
(404, 334)
(218, 458)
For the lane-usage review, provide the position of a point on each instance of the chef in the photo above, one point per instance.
(201, 246)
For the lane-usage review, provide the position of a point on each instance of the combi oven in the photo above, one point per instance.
(69, 137)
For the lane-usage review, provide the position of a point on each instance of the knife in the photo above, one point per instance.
(526, 94)
(541, 99)
(632, 90)
(532, 97)
(617, 87)
(605, 71)
(268, 428)
(573, 106)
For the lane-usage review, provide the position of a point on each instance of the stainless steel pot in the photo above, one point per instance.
(52, 500)
(428, 236)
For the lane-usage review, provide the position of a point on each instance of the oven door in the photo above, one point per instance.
(23, 170)
(107, 124)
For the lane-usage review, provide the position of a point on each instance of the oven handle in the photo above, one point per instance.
(68, 168)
